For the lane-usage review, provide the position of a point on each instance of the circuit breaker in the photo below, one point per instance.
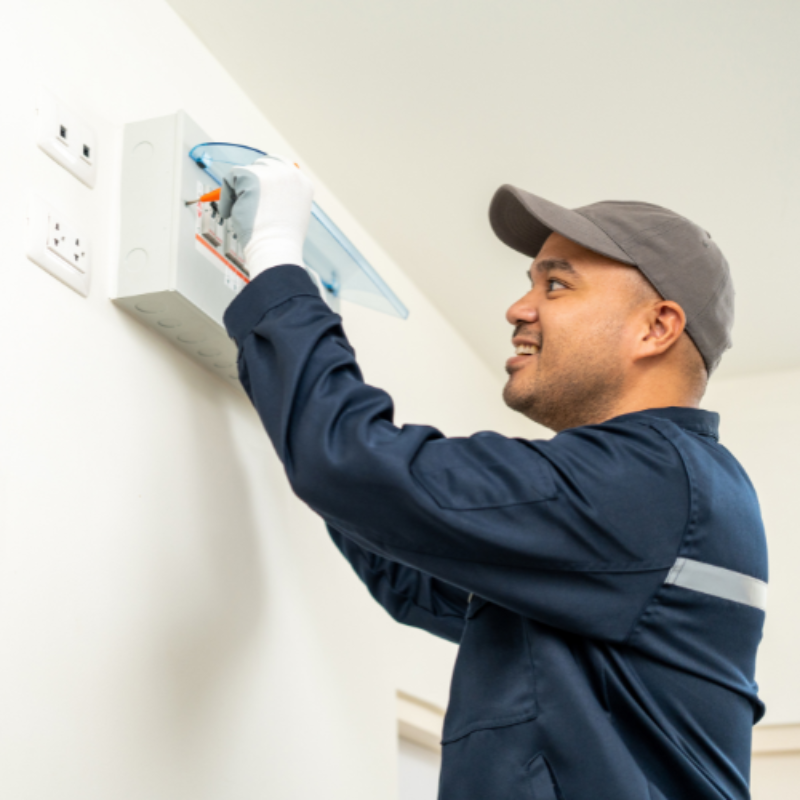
(180, 266)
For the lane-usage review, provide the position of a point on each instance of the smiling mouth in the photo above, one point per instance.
(522, 353)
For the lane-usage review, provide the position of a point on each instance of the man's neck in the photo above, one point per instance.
(645, 400)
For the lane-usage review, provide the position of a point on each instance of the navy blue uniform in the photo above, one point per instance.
(605, 586)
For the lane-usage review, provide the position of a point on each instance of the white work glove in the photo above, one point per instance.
(269, 204)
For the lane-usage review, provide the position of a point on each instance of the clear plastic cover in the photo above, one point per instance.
(340, 266)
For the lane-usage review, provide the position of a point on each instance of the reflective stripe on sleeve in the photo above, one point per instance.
(718, 582)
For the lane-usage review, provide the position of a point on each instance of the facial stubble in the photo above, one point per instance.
(562, 392)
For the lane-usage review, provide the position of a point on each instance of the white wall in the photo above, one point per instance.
(775, 776)
(418, 771)
(174, 624)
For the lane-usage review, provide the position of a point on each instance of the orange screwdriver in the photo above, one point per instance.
(208, 197)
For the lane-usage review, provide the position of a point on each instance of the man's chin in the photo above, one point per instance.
(527, 405)
(524, 397)
(517, 396)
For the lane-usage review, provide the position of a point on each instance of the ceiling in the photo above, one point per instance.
(414, 112)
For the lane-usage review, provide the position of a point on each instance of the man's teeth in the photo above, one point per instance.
(526, 349)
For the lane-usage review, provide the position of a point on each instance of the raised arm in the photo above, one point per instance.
(578, 532)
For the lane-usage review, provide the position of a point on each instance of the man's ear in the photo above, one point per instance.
(665, 323)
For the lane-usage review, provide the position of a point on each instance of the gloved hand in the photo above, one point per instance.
(269, 204)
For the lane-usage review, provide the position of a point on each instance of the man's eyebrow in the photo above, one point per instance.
(549, 264)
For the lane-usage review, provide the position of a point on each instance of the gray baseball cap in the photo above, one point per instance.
(675, 255)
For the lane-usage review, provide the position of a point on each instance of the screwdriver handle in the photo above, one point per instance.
(210, 197)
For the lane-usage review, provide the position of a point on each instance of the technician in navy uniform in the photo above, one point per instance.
(606, 587)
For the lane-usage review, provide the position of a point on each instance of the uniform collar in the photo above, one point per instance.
(691, 419)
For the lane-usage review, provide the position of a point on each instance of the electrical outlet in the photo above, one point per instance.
(56, 245)
(66, 138)
(65, 242)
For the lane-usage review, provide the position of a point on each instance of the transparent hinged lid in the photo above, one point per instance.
(340, 266)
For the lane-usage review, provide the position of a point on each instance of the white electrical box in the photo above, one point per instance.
(173, 273)
(180, 268)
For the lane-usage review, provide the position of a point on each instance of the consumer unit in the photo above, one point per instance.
(180, 266)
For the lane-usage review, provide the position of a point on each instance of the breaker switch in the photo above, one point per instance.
(211, 229)
(234, 251)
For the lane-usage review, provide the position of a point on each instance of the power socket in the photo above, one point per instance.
(56, 245)
(65, 242)
(66, 138)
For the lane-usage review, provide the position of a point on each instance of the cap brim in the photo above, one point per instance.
(523, 221)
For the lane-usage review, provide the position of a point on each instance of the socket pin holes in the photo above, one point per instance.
(69, 253)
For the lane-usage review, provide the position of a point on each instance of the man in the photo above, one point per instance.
(606, 587)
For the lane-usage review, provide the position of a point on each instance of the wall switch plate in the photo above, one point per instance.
(66, 138)
(57, 245)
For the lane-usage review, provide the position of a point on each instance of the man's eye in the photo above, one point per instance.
(551, 281)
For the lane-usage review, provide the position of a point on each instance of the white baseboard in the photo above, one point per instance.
(776, 739)
(421, 722)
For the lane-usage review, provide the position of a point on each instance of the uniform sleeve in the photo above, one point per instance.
(577, 532)
(408, 595)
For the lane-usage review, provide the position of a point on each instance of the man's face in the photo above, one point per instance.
(574, 334)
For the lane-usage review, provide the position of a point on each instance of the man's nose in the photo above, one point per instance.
(524, 310)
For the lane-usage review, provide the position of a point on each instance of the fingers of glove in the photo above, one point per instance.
(239, 200)
(285, 199)
(227, 198)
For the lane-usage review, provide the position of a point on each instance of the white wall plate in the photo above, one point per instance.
(57, 245)
(66, 138)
